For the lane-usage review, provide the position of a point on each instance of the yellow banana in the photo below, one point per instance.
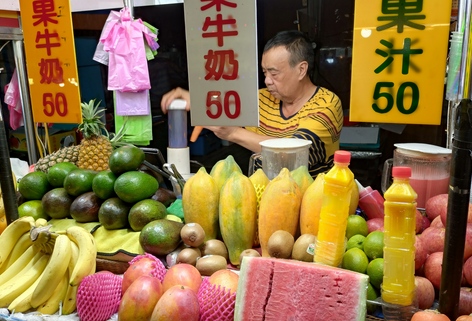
(87, 253)
(54, 271)
(26, 260)
(11, 235)
(40, 222)
(13, 288)
(22, 303)
(51, 306)
(70, 300)
(23, 243)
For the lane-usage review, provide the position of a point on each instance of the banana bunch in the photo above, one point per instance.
(42, 270)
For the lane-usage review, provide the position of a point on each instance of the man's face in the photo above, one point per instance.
(280, 78)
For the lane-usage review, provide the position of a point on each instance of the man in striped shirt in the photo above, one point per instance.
(290, 106)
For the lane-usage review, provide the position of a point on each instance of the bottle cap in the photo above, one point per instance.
(401, 172)
(177, 104)
(342, 156)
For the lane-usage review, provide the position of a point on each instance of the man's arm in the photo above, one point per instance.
(240, 136)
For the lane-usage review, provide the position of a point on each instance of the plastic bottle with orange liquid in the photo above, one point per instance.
(338, 184)
(398, 287)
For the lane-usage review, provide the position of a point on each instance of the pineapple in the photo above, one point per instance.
(66, 154)
(95, 148)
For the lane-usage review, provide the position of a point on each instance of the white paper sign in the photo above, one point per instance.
(222, 62)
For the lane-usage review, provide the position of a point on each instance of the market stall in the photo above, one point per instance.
(125, 238)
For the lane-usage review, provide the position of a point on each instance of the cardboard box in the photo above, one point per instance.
(57, 138)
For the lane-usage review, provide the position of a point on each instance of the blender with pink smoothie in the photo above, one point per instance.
(430, 169)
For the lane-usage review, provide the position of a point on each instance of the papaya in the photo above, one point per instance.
(200, 199)
(313, 200)
(279, 208)
(302, 176)
(260, 180)
(223, 169)
(311, 206)
(237, 215)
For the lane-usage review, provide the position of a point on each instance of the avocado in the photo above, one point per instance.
(134, 186)
(56, 203)
(85, 207)
(160, 237)
(113, 213)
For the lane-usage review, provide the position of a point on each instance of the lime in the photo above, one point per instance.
(103, 184)
(32, 208)
(356, 224)
(34, 185)
(372, 295)
(146, 211)
(355, 260)
(374, 244)
(58, 172)
(375, 272)
(356, 241)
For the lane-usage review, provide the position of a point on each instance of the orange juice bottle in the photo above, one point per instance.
(338, 183)
(398, 285)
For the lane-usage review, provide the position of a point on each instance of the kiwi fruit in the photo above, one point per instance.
(248, 252)
(303, 248)
(189, 255)
(280, 244)
(215, 247)
(192, 234)
(209, 264)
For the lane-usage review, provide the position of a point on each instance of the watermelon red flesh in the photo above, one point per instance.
(275, 289)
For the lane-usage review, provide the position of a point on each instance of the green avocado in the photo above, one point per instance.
(160, 237)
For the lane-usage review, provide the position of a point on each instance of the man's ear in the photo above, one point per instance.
(302, 69)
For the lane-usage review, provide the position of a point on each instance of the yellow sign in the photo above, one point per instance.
(399, 61)
(50, 60)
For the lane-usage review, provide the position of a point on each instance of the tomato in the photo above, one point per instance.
(429, 315)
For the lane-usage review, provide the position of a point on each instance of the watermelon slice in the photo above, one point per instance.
(277, 289)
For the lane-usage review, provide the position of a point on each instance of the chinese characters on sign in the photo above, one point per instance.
(399, 61)
(50, 60)
(222, 62)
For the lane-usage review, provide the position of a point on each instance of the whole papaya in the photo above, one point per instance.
(237, 215)
(223, 169)
(260, 180)
(279, 208)
(311, 207)
(200, 199)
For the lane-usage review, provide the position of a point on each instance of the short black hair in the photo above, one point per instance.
(297, 44)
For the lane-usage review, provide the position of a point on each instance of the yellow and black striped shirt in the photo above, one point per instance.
(320, 120)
